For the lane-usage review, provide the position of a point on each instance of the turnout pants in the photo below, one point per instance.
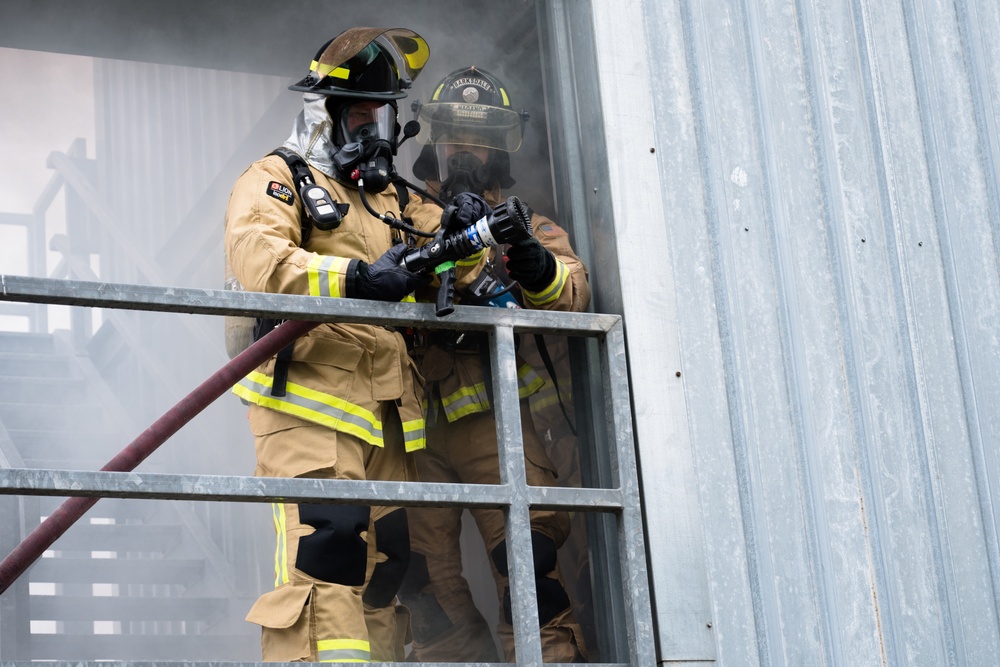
(447, 626)
(337, 567)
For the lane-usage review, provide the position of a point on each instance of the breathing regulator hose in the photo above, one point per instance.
(57, 523)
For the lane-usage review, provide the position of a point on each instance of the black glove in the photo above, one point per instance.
(386, 280)
(469, 208)
(529, 263)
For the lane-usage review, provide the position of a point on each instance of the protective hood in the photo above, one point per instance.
(312, 134)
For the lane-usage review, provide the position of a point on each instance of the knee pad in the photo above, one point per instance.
(551, 596)
(417, 576)
(392, 537)
(427, 618)
(336, 553)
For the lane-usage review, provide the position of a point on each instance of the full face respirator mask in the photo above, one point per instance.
(463, 171)
(365, 134)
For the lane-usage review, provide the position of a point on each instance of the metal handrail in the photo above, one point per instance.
(512, 495)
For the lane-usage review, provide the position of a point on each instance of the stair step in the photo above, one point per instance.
(26, 342)
(148, 648)
(30, 389)
(14, 364)
(120, 538)
(120, 509)
(181, 572)
(107, 608)
(93, 444)
(56, 462)
(24, 416)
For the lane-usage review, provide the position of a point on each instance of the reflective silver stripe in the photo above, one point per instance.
(344, 655)
(552, 292)
(465, 401)
(413, 435)
(469, 400)
(528, 380)
(343, 650)
(325, 273)
(314, 406)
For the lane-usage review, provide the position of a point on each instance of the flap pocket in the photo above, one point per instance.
(282, 607)
(437, 364)
(328, 351)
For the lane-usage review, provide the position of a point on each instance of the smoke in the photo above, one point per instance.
(173, 101)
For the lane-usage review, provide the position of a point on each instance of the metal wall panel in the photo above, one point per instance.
(822, 267)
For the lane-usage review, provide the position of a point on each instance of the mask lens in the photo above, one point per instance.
(367, 121)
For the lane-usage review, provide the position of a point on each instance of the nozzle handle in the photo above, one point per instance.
(446, 292)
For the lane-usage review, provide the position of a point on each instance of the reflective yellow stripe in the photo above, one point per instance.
(343, 650)
(554, 289)
(469, 400)
(471, 260)
(327, 275)
(529, 380)
(548, 396)
(506, 100)
(281, 544)
(413, 435)
(329, 70)
(465, 401)
(312, 405)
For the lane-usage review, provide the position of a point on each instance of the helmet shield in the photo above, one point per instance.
(367, 63)
(470, 125)
(471, 107)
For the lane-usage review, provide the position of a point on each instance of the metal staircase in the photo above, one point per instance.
(134, 579)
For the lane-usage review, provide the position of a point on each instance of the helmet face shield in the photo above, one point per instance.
(410, 50)
(470, 125)
(469, 130)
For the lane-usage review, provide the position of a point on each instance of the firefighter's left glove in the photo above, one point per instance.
(469, 208)
(529, 263)
(385, 279)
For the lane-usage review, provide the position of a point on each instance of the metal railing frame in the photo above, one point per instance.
(513, 495)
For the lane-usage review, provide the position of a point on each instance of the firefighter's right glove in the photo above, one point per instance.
(385, 279)
(531, 264)
(469, 209)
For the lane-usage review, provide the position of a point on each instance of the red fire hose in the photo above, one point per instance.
(57, 523)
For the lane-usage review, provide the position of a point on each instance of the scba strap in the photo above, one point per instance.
(315, 205)
(318, 207)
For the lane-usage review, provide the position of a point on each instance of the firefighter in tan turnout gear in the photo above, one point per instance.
(345, 401)
(469, 129)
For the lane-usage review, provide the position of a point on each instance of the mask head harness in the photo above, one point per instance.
(469, 129)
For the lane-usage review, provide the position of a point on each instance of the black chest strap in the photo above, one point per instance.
(301, 174)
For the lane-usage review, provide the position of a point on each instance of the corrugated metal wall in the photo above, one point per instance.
(814, 299)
